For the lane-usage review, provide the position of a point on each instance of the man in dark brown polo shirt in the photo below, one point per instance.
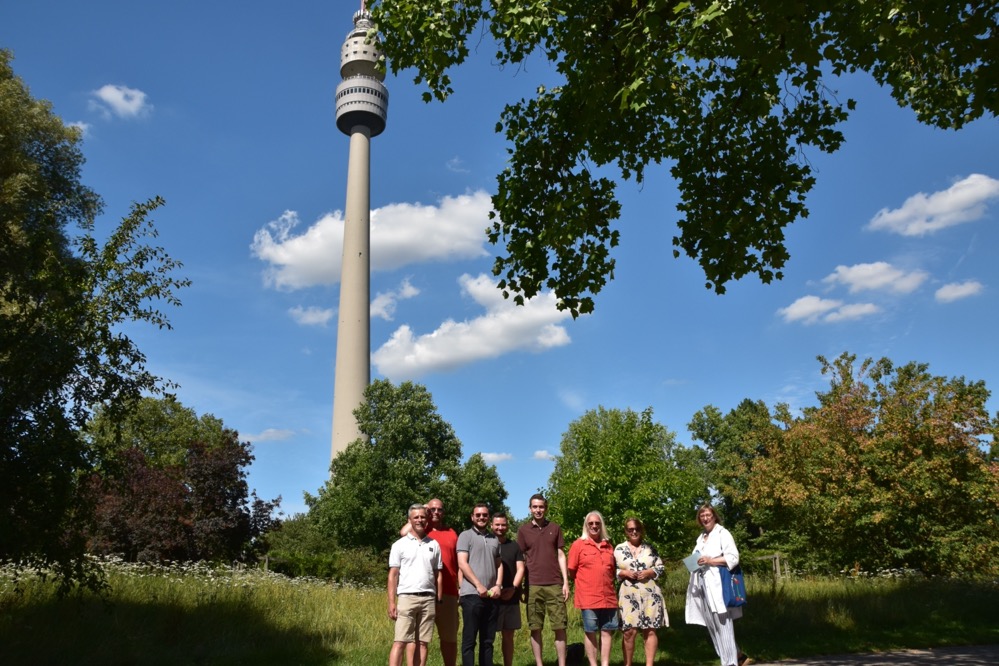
(547, 577)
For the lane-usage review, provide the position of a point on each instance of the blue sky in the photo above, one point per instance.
(226, 110)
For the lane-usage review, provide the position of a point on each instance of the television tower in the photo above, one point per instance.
(361, 111)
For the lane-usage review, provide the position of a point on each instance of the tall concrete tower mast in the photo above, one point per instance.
(361, 111)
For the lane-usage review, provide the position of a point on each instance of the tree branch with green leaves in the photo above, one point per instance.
(729, 95)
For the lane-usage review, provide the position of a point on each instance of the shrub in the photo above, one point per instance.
(355, 566)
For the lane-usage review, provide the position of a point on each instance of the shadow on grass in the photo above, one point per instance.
(90, 632)
(921, 614)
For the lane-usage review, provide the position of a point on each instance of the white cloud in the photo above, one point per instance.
(571, 399)
(542, 455)
(120, 101)
(384, 303)
(401, 234)
(958, 290)
(503, 328)
(921, 214)
(808, 309)
(812, 309)
(311, 316)
(851, 311)
(879, 275)
(269, 435)
(456, 164)
(493, 458)
(300, 261)
(82, 126)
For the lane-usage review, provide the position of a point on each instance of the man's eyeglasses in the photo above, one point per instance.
(594, 524)
(435, 510)
(480, 515)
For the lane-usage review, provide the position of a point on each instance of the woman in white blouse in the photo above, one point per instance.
(705, 605)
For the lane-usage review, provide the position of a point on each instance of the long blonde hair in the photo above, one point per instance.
(604, 536)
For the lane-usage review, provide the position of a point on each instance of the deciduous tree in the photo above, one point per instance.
(162, 428)
(140, 514)
(733, 442)
(63, 297)
(173, 486)
(889, 470)
(475, 481)
(729, 94)
(623, 463)
(410, 454)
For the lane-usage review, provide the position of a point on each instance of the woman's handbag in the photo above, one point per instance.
(733, 586)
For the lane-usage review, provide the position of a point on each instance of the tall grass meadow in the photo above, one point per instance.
(202, 614)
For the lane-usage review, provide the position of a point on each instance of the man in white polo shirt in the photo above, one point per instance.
(414, 589)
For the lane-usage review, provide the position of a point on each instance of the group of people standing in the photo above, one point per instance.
(434, 572)
(484, 574)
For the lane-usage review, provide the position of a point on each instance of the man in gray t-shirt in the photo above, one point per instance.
(482, 570)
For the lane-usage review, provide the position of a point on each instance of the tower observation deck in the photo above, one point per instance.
(361, 98)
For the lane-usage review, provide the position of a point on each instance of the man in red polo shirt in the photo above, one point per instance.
(447, 610)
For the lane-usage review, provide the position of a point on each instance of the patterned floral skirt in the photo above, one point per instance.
(642, 606)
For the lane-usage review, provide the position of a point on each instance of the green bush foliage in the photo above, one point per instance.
(348, 566)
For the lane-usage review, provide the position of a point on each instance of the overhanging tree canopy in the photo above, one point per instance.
(728, 93)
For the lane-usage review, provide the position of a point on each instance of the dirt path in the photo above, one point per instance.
(973, 655)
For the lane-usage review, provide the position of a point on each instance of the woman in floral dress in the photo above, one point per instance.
(640, 599)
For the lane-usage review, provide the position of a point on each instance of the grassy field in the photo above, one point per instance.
(194, 614)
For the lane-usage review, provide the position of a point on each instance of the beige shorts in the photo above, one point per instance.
(415, 621)
(447, 619)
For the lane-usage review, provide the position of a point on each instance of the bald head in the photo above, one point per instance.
(435, 513)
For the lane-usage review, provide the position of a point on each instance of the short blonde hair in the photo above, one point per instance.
(603, 526)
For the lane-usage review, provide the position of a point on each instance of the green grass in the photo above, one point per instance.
(194, 614)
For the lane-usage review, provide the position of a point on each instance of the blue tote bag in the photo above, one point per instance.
(733, 586)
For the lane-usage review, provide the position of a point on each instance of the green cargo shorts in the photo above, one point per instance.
(545, 600)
